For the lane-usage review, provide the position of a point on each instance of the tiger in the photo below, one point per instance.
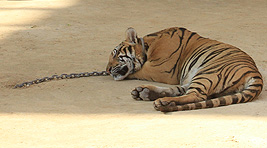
(202, 73)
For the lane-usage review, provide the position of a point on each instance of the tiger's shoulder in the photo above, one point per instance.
(175, 35)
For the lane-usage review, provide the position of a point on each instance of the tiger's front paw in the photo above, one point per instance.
(146, 93)
(162, 103)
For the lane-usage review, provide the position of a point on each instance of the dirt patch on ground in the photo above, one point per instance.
(44, 37)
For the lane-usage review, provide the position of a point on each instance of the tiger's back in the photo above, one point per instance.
(208, 73)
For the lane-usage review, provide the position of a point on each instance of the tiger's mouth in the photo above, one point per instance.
(120, 73)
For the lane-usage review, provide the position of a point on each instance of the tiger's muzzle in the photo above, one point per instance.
(119, 72)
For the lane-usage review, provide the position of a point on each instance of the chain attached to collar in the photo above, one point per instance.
(62, 76)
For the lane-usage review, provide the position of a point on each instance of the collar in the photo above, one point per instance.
(143, 45)
(143, 50)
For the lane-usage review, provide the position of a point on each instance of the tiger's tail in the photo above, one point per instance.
(251, 90)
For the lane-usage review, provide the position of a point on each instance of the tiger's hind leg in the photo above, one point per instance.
(151, 93)
(166, 103)
(196, 92)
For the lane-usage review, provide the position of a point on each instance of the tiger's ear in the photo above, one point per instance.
(131, 35)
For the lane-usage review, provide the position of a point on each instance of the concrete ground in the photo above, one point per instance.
(45, 37)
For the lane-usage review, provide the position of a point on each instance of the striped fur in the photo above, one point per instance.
(211, 73)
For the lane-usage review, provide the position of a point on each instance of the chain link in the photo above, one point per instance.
(62, 76)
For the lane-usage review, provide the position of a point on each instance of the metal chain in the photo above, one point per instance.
(62, 76)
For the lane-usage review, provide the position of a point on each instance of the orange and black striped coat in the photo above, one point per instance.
(206, 73)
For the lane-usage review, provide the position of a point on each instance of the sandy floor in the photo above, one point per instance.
(44, 37)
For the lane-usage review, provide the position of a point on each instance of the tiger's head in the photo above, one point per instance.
(128, 57)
